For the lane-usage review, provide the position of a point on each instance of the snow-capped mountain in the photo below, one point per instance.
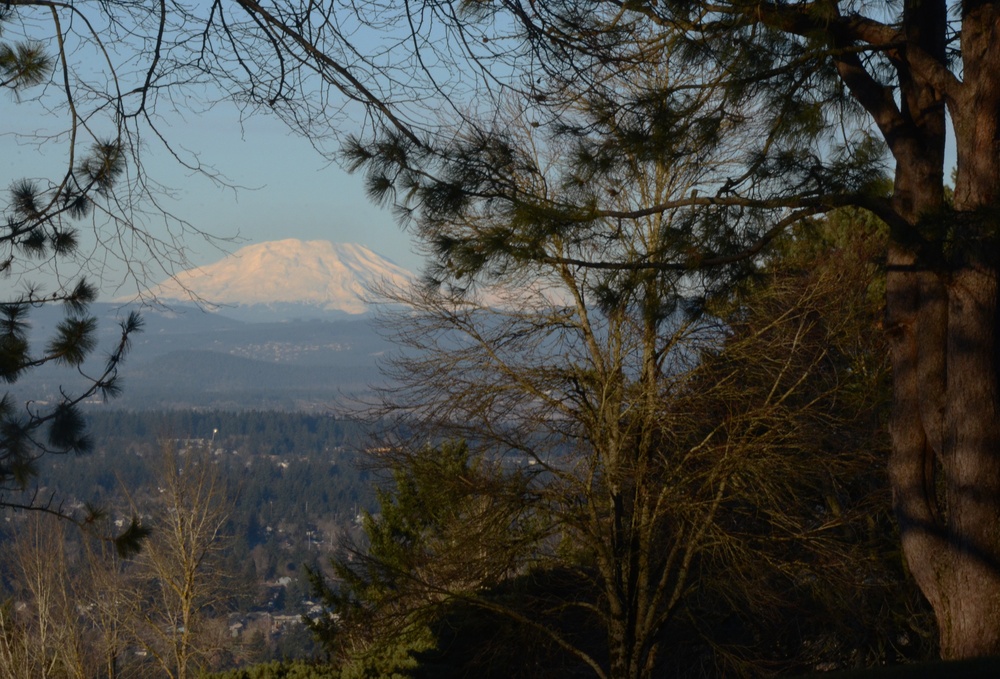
(305, 275)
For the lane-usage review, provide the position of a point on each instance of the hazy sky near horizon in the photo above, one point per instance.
(287, 189)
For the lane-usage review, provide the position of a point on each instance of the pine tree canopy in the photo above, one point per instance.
(497, 128)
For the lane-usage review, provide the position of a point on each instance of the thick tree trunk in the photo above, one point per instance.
(942, 313)
(971, 460)
(945, 470)
(951, 426)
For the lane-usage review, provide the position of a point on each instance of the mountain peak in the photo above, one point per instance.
(318, 274)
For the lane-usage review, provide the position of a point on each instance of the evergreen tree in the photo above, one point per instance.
(671, 514)
(796, 109)
(441, 530)
(37, 225)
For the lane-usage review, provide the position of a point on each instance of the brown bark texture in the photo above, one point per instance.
(942, 313)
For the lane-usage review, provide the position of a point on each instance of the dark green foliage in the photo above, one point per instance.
(470, 639)
(62, 423)
(99, 171)
(23, 65)
(66, 430)
(36, 227)
(128, 543)
(73, 342)
(280, 670)
(439, 531)
(423, 501)
(13, 341)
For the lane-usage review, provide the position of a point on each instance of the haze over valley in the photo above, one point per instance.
(278, 325)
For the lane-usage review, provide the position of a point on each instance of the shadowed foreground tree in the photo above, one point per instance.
(692, 468)
(435, 525)
(820, 96)
(699, 495)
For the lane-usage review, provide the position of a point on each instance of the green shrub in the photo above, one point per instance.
(298, 669)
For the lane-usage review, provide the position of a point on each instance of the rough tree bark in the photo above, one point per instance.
(942, 316)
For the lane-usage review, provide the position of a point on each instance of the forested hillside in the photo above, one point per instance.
(288, 491)
(701, 379)
(189, 359)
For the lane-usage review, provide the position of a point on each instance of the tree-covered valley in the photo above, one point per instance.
(285, 491)
(488, 519)
(700, 377)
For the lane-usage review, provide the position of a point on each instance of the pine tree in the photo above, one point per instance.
(687, 469)
(37, 226)
(797, 109)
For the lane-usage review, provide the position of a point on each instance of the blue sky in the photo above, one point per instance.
(289, 190)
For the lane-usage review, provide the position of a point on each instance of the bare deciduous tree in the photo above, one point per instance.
(42, 637)
(664, 457)
(80, 609)
(181, 582)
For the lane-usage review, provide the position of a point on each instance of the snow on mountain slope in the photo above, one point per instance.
(319, 274)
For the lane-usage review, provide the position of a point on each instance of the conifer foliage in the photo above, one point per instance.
(789, 109)
(644, 489)
(38, 226)
(796, 109)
